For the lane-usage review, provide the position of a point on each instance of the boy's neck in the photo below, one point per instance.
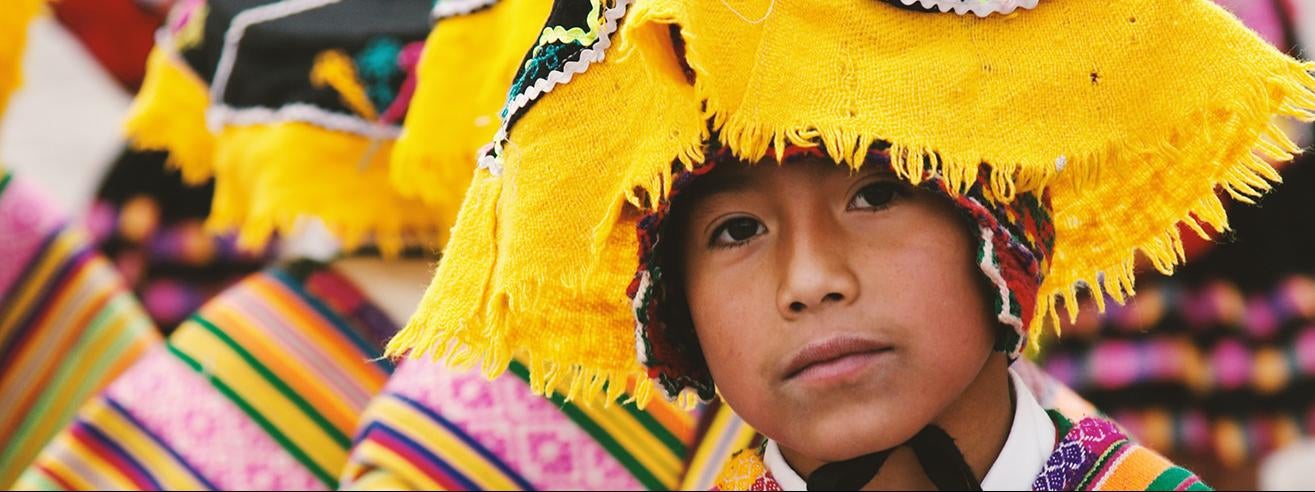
(979, 422)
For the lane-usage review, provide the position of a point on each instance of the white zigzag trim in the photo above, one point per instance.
(587, 57)
(992, 271)
(452, 8)
(641, 352)
(980, 8)
(219, 116)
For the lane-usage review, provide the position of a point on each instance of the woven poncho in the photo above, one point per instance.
(1129, 114)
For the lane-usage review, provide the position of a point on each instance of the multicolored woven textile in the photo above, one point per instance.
(434, 427)
(150, 225)
(261, 389)
(1205, 365)
(1092, 454)
(723, 434)
(68, 324)
(1095, 454)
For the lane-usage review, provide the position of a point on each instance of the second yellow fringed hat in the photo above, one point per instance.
(1126, 115)
(294, 109)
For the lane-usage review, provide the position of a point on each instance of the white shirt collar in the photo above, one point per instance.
(1030, 442)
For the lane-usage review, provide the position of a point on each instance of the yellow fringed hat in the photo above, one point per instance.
(15, 15)
(294, 110)
(1121, 117)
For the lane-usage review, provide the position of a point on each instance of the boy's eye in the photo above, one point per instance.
(736, 231)
(875, 196)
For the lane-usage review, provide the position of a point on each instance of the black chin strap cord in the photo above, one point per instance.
(940, 458)
(942, 461)
(851, 474)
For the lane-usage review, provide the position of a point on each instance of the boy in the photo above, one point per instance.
(998, 157)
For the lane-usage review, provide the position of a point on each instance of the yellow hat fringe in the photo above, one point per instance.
(169, 115)
(270, 176)
(1247, 139)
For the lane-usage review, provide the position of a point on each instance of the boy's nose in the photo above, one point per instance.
(816, 274)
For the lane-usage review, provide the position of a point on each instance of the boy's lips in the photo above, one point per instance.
(835, 356)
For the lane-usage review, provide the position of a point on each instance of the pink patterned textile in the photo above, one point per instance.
(27, 217)
(212, 434)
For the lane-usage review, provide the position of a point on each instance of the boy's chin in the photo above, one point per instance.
(851, 431)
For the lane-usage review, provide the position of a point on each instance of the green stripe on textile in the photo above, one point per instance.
(62, 380)
(1170, 479)
(1100, 463)
(656, 428)
(1199, 486)
(5, 177)
(335, 319)
(324, 476)
(34, 479)
(278, 384)
(604, 439)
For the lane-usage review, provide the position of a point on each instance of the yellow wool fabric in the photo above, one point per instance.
(169, 115)
(1131, 112)
(519, 274)
(269, 176)
(458, 97)
(15, 15)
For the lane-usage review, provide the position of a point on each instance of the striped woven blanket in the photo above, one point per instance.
(435, 428)
(68, 324)
(260, 389)
(266, 385)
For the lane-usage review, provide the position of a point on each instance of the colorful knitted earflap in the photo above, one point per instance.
(15, 15)
(293, 108)
(1125, 115)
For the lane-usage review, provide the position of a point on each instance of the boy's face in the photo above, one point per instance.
(839, 312)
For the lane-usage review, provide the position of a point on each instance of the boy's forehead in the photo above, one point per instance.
(737, 175)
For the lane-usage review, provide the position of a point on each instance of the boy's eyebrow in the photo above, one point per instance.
(726, 184)
(722, 182)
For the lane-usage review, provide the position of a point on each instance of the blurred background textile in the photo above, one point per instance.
(1215, 368)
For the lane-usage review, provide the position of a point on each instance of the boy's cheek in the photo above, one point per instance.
(736, 332)
(741, 345)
